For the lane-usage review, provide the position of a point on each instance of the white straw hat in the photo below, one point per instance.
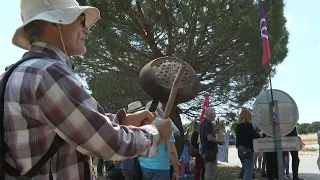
(55, 11)
(135, 106)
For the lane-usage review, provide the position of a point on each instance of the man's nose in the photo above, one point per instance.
(86, 30)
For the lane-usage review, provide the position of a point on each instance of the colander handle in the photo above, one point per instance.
(154, 105)
(174, 91)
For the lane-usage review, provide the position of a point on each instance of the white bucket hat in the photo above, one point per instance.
(55, 11)
(135, 106)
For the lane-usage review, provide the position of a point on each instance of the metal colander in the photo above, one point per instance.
(156, 79)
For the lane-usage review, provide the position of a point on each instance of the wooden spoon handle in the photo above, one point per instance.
(174, 91)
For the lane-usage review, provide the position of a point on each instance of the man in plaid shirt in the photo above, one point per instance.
(43, 97)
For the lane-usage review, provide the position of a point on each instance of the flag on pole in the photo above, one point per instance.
(204, 107)
(264, 35)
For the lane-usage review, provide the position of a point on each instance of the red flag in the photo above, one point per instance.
(205, 106)
(264, 35)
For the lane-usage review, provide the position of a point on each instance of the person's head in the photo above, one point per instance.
(159, 109)
(61, 23)
(245, 116)
(210, 114)
(134, 107)
(196, 126)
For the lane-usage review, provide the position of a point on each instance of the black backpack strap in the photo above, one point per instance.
(56, 144)
(54, 147)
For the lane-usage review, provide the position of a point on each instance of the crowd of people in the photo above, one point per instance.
(53, 126)
(206, 152)
(267, 161)
(261, 162)
(164, 165)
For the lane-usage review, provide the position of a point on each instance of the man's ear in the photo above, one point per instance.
(52, 27)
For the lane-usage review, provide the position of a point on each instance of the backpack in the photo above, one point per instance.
(5, 167)
(131, 168)
(114, 172)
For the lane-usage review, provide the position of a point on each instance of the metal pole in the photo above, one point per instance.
(274, 112)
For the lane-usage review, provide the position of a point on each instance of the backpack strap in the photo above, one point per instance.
(56, 144)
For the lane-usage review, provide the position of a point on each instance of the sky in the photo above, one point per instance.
(297, 75)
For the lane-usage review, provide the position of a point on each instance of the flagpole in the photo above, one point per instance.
(204, 107)
(270, 83)
(274, 109)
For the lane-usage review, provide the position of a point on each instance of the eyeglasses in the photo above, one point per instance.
(82, 19)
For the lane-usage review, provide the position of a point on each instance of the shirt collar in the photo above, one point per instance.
(51, 52)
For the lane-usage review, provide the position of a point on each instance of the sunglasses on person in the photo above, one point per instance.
(82, 19)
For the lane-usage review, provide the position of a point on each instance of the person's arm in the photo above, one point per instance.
(76, 117)
(212, 138)
(187, 138)
(237, 136)
(176, 132)
(255, 135)
(173, 155)
(210, 133)
(194, 139)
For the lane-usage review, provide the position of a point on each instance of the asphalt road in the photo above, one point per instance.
(308, 168)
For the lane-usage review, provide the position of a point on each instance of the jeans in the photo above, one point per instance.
(155, 174)
(286, 161)
(248, 165)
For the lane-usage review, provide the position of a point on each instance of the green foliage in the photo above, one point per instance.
(314, 127)
(233, 127)
(219, 39)
(302, 128)
(306, 128)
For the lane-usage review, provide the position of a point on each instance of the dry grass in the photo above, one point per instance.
(309, 138)
(227, 171)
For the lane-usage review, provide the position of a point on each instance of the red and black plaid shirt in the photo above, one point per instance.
(43, 98)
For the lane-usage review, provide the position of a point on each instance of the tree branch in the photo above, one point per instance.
(148, 29)
(192, 30)
(167, 18)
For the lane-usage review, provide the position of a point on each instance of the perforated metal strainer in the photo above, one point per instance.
(157, 77)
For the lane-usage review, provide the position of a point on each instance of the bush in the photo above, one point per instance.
(306, 128)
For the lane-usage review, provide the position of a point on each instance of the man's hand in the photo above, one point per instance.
(139, 118)
(175, 176)
(261, 134)
(165, 129)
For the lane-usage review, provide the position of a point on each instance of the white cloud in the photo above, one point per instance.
(318, 46)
